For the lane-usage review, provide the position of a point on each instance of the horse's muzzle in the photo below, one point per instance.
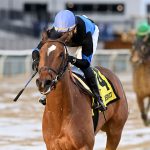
(44, 86)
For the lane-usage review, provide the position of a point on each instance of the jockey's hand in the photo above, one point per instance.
(36, 58)
(72, 59)
(35, 65)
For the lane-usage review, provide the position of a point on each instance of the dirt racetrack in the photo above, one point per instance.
(20, 122)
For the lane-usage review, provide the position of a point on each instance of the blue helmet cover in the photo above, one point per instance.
(64, 21)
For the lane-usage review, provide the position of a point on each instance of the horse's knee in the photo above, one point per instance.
(113, 139)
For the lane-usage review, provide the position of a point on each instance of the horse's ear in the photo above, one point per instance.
(44, 36)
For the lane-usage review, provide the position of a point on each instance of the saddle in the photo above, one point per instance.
(106, 88)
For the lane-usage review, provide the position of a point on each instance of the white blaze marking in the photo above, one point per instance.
(50, 49)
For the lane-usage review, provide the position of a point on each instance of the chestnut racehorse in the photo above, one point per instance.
(140, 59)
(67, 119)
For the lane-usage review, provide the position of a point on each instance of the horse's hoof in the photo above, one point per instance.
(147, 122)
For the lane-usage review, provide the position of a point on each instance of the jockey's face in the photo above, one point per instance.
(71, 33)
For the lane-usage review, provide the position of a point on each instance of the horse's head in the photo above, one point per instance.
(52, 65)
(136, 56)
(140, 52)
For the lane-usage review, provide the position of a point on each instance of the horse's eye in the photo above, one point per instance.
(61, 55)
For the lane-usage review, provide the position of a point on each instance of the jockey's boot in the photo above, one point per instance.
(42, 100)
(94, 88)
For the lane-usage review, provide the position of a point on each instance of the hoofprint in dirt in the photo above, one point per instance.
(20, 122)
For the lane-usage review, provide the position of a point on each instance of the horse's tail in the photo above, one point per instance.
(148, 105)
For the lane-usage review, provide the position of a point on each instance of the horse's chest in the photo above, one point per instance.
(141, 79)
(60, 143)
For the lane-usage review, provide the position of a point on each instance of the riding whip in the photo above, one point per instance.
(18, 95)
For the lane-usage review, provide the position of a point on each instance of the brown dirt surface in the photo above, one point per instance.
(21, 121)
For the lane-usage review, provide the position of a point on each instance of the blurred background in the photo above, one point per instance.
(21, 23)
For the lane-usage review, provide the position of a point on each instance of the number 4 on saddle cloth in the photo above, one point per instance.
(106, 89)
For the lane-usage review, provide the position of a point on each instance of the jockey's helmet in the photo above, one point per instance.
(143, 29)
(64, 21)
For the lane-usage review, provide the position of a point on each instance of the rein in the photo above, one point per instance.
(60, 71)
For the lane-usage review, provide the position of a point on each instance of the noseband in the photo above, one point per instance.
(61, 70)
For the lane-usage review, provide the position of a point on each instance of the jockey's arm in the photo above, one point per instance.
(87, 47)
(87, 51)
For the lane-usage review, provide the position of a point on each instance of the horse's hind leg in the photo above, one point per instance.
(147, 111)
(113, 138)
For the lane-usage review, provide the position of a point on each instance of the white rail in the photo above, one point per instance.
(20, 61)
(15, 52)
(29, 51)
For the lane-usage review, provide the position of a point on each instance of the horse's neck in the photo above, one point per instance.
(60, 100)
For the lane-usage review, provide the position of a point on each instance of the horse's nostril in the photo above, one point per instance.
(48, 82)
(43, 83)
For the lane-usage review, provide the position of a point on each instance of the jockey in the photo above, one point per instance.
(142, 39)
(83, 33)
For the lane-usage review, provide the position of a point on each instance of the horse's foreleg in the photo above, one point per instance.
(147, 110)
(85, 148)
(148, 105)
(140, 101)
(113, 139)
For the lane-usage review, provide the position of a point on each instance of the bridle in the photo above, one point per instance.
(58, 73)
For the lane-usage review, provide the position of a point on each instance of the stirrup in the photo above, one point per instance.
(100, 106)
(42, 100)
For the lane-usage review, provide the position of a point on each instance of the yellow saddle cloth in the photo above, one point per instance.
(106, 89)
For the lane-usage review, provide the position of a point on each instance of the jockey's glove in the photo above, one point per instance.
(36, 58)
(35, 65)
(72, 59)
(80, 63)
